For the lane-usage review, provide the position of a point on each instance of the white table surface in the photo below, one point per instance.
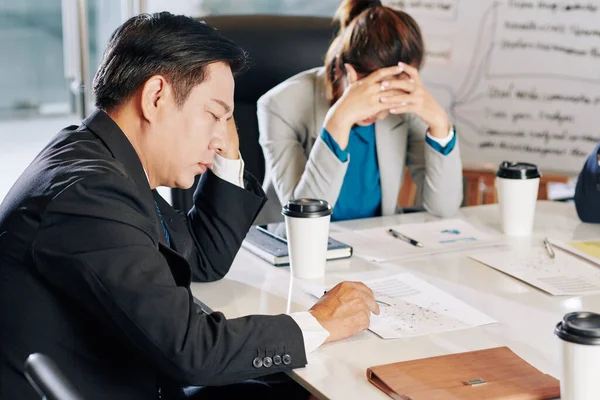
(526, 316)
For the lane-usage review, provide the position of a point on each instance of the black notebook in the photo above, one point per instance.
(272, 247)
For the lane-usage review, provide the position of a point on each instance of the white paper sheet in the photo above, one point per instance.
(564, 275)
(377, 245)
(415, 308)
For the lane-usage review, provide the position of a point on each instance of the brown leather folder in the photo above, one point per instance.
(485, 374)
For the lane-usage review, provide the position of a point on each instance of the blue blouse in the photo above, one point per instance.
(360, 196)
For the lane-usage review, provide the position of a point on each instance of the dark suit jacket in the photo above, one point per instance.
(587, 191)
(86, 276)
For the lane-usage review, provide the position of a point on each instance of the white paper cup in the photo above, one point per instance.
(307, 231)
(517, 187)
(580, 356)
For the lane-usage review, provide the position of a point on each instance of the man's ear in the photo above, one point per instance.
(351, 74)
(154, 94)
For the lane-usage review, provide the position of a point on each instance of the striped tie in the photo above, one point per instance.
(163, 224)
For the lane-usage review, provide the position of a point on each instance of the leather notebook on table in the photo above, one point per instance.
(496, 373)
(271, 247)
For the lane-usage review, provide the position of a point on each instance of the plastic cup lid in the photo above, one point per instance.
(517, 170)
(580, 327)
(307, 208)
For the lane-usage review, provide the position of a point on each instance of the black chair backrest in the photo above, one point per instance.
(279, 47)
(48, 380)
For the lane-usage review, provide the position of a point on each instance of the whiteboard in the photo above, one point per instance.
(519, 78)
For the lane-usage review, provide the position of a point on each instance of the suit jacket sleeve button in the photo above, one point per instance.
(267, 362)
(287, 359)
(277, 359)
(257, 362)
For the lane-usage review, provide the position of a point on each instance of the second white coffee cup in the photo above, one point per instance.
(580, 336)
(517, 187)
(307, 229)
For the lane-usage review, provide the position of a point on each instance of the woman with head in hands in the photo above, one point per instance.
(344, 132)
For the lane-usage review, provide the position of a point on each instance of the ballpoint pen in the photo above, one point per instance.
(405, 238)
(376, 301)
(382, 303)
(549, 248)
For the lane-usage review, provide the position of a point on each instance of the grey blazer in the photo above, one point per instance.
(300, 164)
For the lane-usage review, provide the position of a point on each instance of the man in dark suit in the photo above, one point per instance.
(95, 266)
(587, 191)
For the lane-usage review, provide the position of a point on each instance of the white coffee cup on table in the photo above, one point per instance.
(580, 356)
(517, 185)
(307, 231)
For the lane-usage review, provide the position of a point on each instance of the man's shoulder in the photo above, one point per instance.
(74, 174)
(73, 155)
(79, 151)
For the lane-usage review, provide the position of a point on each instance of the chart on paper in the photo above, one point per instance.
(377, 245)
(564, 275)
(416, 308)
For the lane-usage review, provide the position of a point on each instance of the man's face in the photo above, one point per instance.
(193, 132)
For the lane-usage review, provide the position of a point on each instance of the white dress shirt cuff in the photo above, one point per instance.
(442, 141)
(231, 171)
(313, 333)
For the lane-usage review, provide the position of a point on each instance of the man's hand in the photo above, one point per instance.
(345, 310)
(231, 144)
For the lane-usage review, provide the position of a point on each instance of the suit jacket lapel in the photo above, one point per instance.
(120, 147)
(389, 143)
(117, 143)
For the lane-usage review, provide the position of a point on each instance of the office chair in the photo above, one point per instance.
(279, 47)
(48, 380)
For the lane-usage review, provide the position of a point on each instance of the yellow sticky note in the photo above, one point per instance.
(590, 248)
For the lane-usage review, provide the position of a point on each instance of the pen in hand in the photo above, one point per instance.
(405, 238)
(376, 301)
(549, 248)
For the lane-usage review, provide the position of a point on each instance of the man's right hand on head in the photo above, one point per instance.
(345, 310)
